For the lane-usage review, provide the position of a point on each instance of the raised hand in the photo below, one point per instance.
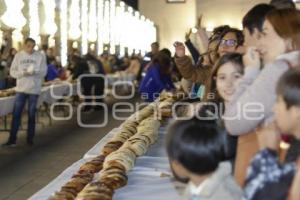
(252, 58)
(201, 32)
(179, 49)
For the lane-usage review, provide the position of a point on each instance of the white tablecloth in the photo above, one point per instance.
(112, 78)
(144, 180)
(6, 105)
(59, 90)
(53, 93)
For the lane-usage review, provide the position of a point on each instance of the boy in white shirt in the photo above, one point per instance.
(29, 68)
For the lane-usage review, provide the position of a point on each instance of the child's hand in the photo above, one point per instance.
(201, 32)
(179, 49)
(269, 137)
(252, 58)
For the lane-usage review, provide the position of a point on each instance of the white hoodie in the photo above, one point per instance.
(36, 63)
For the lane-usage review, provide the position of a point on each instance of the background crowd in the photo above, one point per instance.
(231, 156)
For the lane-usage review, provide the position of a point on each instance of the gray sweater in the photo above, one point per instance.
(30, 84)
(256, 91)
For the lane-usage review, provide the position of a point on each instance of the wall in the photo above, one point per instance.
(217, 12)
(173, 20)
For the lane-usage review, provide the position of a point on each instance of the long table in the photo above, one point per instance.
(59, 90)
(49, 95)
(144, 180)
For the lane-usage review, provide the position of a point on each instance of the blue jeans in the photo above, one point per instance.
(20, 102)
(2, 84)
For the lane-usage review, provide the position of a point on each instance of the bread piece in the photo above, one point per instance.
(63, 195)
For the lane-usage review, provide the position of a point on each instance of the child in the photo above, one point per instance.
(267, 178)
(195, 149)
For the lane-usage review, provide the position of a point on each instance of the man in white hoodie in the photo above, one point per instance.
(29, 68)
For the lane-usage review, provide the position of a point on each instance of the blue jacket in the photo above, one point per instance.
(52, 73)
(153, 83)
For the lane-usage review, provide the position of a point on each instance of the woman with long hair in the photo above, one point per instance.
(158, 77)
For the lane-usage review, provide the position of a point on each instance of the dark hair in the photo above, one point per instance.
(89, 57)
(215, 37)
(236, 59)
(239, 35)
(11, 51)
(29, 40)
(281, 4)
(164, 62)
(155, 44)
(45, 47)
(289, 87)
(181, 110)
(255, 17)
(220, 29)
(166, 51)
(198, 145)
(76, 59)
(217, 32)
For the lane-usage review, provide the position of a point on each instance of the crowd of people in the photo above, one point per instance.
(27, 69)
(107, 64)
(244, 88)
(251, 79)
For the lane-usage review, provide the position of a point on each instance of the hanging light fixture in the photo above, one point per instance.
(17, 37)
(49, 25)
(74, 32)
(34, 23)
(75, 45)
(63, 31)
(130, 34)
(92, 34)
(121, 26)
(112, 26)
(106, 30)
(144, 42)
(13, 17)
(84, 26)
(138, 36)
(51, 42)
(100, 30)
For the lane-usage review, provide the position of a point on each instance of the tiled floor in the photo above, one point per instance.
(24, 170)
